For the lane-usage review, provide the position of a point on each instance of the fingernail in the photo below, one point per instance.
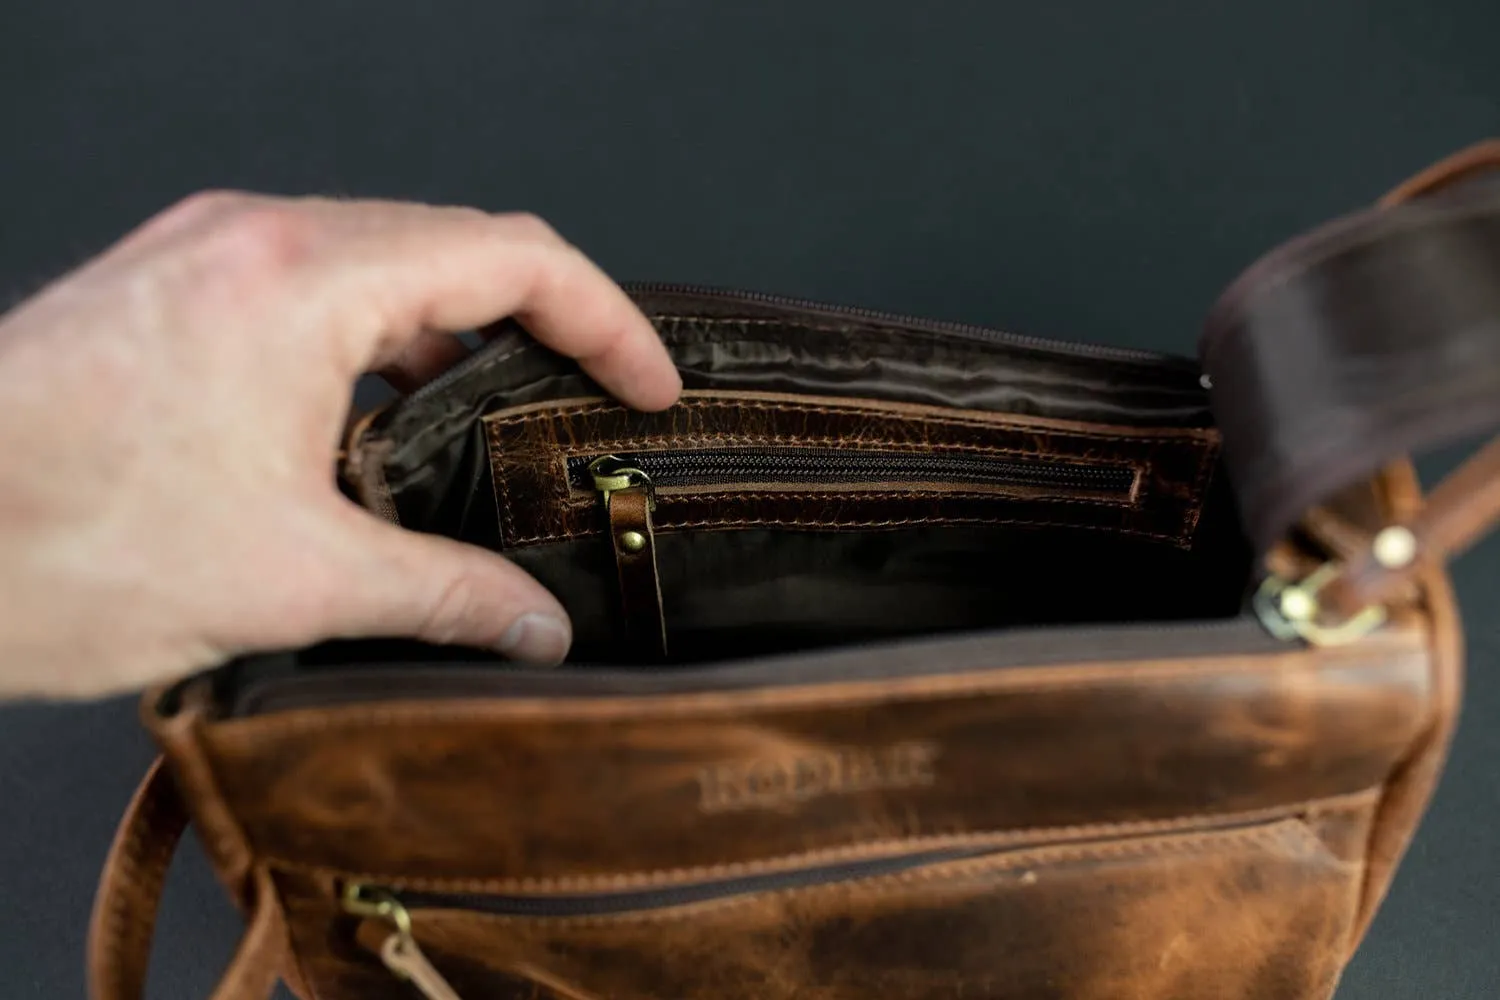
(537, 638)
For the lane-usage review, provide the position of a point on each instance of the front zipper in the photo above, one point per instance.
(597, 904)
(405, 959)
(836, 466)
(400, 951)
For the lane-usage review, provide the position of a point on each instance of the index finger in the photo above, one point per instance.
(427, 268)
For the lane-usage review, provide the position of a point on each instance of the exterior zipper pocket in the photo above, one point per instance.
(918, 924)
(404, 957)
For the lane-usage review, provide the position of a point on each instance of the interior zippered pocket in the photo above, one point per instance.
(721, 461)
(629, 486)
(793, 468)
(822, 473)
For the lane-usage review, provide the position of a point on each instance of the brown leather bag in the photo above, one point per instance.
(912, 659)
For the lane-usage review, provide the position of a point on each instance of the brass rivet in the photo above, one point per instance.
(1395, 547)
(1298, 605)
(632, 541)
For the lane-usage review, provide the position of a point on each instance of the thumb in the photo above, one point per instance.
(391, 582)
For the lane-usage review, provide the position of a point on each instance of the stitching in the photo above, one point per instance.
(506, 513)
(582, 532)
(863, 444)
(144, 863)
(858, 850)
(824, 495)
(1194, 512)
(1204, 445)
(1187, 434)
(1205, 842)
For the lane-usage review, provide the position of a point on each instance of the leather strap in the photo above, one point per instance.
(129, 894)
(634, 541)
(1370, 338)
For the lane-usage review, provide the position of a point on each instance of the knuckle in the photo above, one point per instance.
(202, 205)
(454, 604)
(525, 227)
(253, 239)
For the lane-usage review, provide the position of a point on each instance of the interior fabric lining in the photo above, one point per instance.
(732, 587)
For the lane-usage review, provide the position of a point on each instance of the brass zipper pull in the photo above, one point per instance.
(400, 951)
(629, 500)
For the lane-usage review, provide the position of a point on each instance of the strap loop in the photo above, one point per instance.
(130, 892)
(1370, 338)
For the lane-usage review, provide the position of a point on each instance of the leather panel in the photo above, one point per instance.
(506, 790)
(1253, 913)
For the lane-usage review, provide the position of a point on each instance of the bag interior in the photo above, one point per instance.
(1071, 484)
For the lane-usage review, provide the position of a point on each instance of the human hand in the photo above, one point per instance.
(173, 410)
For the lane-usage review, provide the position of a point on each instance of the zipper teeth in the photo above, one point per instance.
(830, 465)
(605, 903)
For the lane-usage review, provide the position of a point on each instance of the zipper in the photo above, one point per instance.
(595, 904)
(818, 466)
(396, 907)
(406, 961)
(400, 951)
(963, 331)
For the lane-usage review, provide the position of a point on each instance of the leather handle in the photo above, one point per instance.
(1373, 337)
(130, 888)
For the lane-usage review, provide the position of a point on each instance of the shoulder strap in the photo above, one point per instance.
(1370, 338)
(130, 892)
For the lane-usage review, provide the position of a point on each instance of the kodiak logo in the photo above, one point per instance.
(771, 782)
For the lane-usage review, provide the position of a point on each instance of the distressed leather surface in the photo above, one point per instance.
(1253, 912)
(1147, 828)
(512, 791)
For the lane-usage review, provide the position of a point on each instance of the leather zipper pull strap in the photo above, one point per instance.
(634, 542)
(629, 498)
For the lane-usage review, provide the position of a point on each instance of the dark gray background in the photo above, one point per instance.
(1091, 170)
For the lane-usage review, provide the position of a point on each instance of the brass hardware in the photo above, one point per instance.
(1292, 611)
(1395, 547)
(400, 951)
(610, 475)
(632, 541)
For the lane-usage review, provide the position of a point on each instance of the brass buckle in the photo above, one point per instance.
(1291, 611)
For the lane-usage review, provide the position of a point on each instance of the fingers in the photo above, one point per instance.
(423, 359)
(443, 269)
(388, 581)
(383, 276)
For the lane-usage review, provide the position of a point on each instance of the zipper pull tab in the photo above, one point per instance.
(400, 952)
(629, 499)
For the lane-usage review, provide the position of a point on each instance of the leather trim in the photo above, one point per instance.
(129, 896)
(640, 586)
(530, 445)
